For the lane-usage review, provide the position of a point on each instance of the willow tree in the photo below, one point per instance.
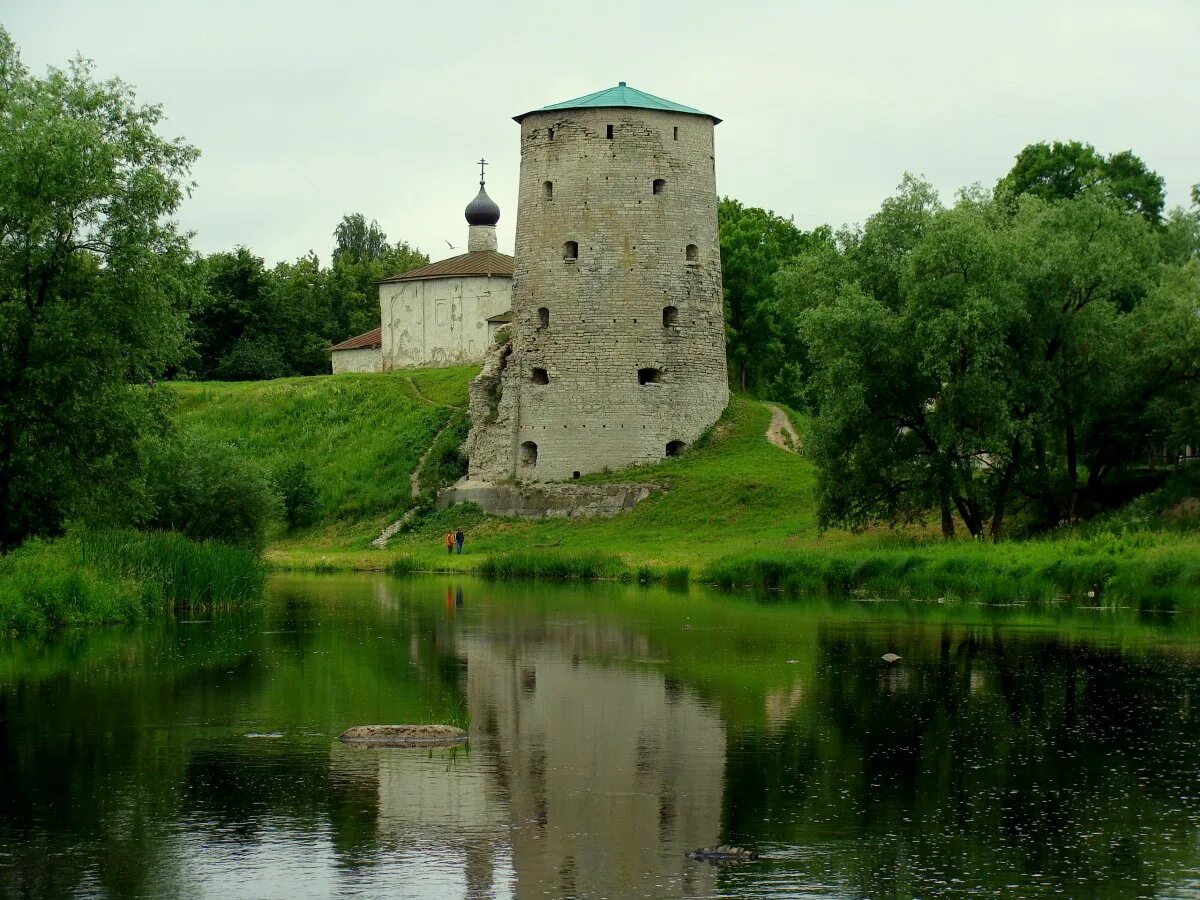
(94, 284)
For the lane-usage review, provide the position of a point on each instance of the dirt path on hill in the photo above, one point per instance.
(781, 433)
(414, 490)
(414, 479)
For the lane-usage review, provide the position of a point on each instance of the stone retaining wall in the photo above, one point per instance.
(564, 501)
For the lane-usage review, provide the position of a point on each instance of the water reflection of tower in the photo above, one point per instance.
(581, 778)
(609, 775)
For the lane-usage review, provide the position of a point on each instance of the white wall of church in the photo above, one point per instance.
(366, 359)
(439, 321)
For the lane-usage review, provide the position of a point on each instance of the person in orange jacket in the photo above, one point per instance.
(449, 541)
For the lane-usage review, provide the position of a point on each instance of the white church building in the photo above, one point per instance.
(441, 314)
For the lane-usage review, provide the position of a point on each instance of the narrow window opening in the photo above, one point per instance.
(660, 185)
(543, 317)
(550, 133)
(529, 454)
(548, 189)
(574, 474)
(693, 253)
(539, 376)
(571, 250)
(610, 132)
(674, 448)
(676, 130)
(649, 376)
(670, 316)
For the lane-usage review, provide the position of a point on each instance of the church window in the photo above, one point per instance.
(543, 317)
(529, 453)
(548, 190)
(439, 312)
(693, 253)
(660, 185)
(670, 316)
(571, 250)
(649, 376)
(674, 448)
(610, 132)
(539, 376)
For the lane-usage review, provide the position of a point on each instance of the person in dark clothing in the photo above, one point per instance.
(459, 537)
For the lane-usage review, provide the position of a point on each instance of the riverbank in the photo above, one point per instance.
(112, 577)
(739, 512)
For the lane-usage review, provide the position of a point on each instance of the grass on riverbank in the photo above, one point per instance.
(1145, 570)
(735, 510)
(108, 577)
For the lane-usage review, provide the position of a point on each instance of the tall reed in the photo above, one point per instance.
(101, 577)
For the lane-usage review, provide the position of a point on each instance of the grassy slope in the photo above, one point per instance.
(736, 509)
(360, 435)
(733, 493)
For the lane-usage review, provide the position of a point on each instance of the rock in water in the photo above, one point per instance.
(723, 854)
(404, 735)
(891, 658)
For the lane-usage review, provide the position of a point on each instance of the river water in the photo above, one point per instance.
(612, 729)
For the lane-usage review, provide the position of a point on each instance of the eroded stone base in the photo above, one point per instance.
(538, 501)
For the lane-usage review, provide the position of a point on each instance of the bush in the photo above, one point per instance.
(251, 360)
(445, 463)
(299, 495)
(208, 491)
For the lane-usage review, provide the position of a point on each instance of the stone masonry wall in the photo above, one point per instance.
(365, 359)
(571, 383)
(439, 321)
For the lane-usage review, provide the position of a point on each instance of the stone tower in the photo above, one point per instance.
(616, 354)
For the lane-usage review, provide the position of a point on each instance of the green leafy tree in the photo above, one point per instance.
(209, 491)
(1063, 170)
(233, 307)
(302, 321)
(754, 244)
(976, 360)
(94, 285)
(353, 293)
(257, 323)
(1181, 232)
(358, 240)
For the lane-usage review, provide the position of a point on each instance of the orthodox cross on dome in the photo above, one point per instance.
(482, 163)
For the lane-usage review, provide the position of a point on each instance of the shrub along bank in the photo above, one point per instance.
(114, 576)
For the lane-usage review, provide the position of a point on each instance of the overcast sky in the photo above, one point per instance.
(306, 111)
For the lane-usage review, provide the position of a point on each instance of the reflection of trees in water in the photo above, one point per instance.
(982, 756)
(98, 756)
(88, 763)
(241, 792)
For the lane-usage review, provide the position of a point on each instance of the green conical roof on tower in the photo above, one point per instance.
(621, 95)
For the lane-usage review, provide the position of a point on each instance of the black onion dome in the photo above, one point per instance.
(482, 210)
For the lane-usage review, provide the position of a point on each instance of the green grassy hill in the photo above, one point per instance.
(735, 509)
(360, 435)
